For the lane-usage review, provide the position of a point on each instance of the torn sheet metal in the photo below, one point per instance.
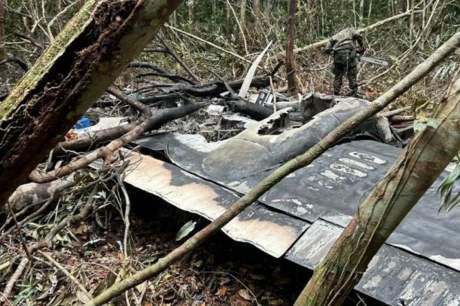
(326, 191)
(394, 276)
(333, 185)
(271, 231)
(253, 151)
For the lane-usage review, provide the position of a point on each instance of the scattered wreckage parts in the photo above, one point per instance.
(423, 247)
(194, 194)
(160, 117)
(176, 91)
(301, 216)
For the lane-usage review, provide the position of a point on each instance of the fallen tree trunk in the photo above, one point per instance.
(276, 176)
(81, 63)
(212, 89)
(386, 206)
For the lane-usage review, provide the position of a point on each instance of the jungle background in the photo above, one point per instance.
(216, 39)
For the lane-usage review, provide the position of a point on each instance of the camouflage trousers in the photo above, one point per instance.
(345, 63)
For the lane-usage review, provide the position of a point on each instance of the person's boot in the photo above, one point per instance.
(353, 90)
(354, 93)
(337, 86)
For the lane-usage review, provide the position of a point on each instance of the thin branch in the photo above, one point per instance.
(67, 273)
(181, 62)
(13, 279)
(207, 42)
(239, 27)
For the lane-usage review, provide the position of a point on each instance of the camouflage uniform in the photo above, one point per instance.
(345, 46)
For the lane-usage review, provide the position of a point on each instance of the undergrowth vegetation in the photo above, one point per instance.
(239, 35)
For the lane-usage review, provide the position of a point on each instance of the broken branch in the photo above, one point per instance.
(107, 151)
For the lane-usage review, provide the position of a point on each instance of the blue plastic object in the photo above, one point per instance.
(83, 123)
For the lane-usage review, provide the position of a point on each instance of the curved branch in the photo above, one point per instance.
(107, 151)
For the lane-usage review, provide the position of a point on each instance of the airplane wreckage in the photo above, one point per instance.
(300, 218)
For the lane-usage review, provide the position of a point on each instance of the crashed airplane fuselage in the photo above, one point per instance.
(300, 217)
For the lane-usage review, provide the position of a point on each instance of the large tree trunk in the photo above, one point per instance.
(75, 70)
(293, 87)
(386, 206)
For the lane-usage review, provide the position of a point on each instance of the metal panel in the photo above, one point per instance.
(314, 244)
(332, 186)
(394, 276)
(419, 264)
(271, 231)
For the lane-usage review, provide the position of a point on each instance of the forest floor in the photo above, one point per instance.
(221, 272)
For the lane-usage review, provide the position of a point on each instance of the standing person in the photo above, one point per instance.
(345, 47)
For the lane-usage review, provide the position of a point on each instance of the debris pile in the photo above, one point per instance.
(72, 198)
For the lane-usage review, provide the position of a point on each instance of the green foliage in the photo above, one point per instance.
(450, 198)
(185, 230)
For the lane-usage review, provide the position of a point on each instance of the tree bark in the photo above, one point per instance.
(386, 206)
(2, 31)
(268, 182)
(293, 87)
(243, 4)
(81, 63)
(256, 8)
(190, 5)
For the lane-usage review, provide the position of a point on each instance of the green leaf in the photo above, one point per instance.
(432, 122)
(186, 229)
(450, 200)
(420, 125)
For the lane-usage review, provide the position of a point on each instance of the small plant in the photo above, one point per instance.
(450, 198)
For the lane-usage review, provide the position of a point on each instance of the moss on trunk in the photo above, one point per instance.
(75, 70)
